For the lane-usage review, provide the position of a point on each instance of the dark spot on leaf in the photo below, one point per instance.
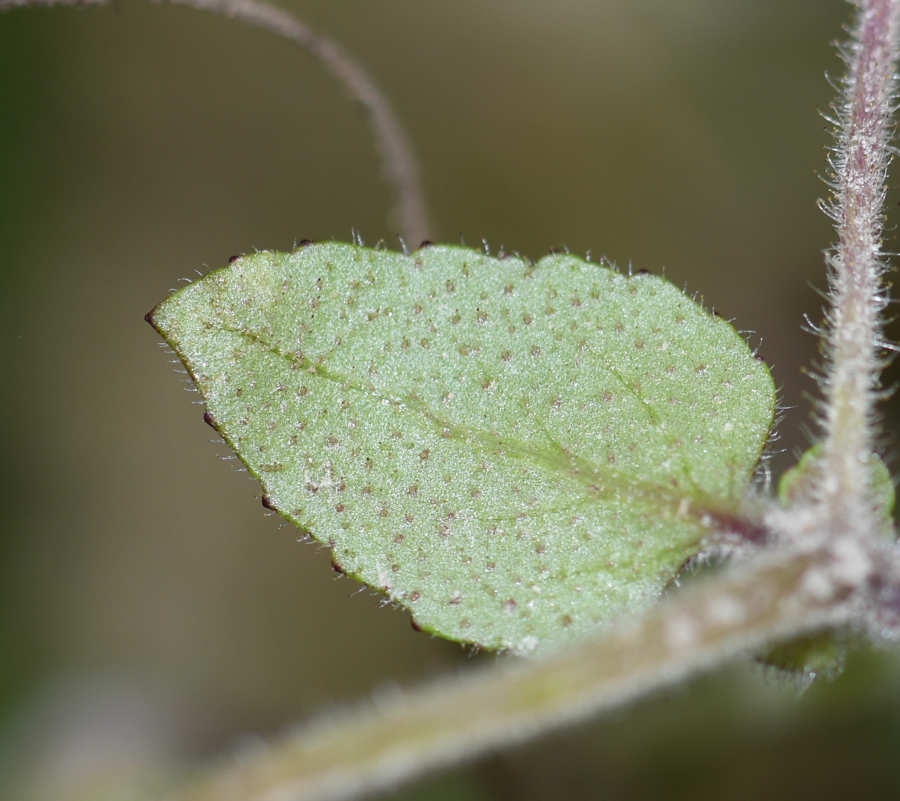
(268, 503)
(233, 259)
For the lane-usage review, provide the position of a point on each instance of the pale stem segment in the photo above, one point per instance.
(401, 737)
(854, 330)
(781, 595)
(398, 160)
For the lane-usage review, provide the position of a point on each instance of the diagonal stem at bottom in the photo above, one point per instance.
(377, 747)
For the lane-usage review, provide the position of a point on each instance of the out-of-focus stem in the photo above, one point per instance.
(398, 160)
(396, 151)
(401, 737)
(860, 165)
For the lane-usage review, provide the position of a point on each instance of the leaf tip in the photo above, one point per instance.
(150, 317)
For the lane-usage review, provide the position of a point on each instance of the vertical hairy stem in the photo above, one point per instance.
(775, 597)
(853, 339)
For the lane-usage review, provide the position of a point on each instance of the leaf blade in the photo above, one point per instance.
(517, 453)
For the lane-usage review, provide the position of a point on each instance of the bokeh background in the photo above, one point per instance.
(150, 612)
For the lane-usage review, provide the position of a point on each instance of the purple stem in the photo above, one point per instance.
(857, 292)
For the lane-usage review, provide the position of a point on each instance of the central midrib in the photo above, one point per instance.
(594, 480)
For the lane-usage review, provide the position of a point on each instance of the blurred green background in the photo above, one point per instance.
(149, 609)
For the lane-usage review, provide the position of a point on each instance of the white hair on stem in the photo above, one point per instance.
(853, 324)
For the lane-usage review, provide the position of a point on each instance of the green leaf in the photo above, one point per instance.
(821, 655)
(824, 654)
(517, 453)
(798, 485)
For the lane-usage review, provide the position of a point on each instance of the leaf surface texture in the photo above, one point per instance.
(515, 452)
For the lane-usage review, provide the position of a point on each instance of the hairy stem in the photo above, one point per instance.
(401, 737)
(780, 595)
(398, 161)
(854, 333)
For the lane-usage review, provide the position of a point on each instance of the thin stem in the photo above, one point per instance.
(400, 738)
(398, 160)
(396, 151)
(854, 334)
